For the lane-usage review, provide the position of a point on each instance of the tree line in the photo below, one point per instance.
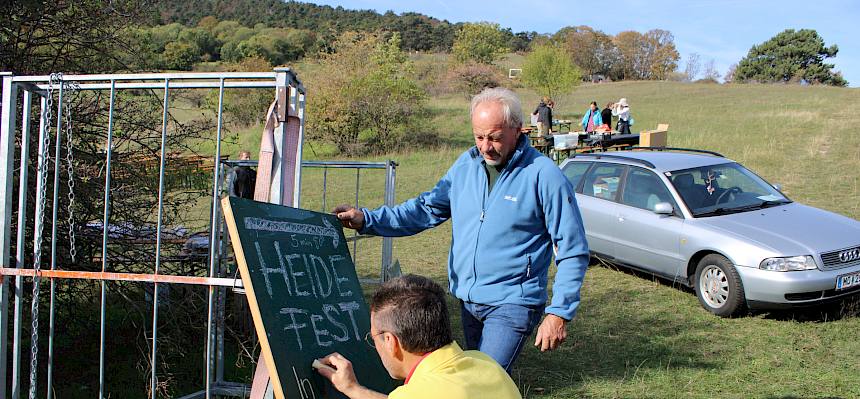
(627, 55)
(175, 34)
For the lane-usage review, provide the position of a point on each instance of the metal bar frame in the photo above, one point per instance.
(213, 238)
(215, 76)
(12, 86)
(22, 217)
(8, 101)
(105, 221)
(37, 85)
(163, 162)
(113, 276)
(56, 202)
(390, 168)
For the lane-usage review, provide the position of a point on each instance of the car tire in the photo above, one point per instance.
(718, 286)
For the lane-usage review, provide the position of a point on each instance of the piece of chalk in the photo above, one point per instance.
(317, 364)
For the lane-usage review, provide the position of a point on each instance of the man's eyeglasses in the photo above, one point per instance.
(369, 338)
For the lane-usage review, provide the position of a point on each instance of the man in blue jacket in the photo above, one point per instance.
(509, 206)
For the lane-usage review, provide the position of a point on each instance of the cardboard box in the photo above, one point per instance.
(653, 138)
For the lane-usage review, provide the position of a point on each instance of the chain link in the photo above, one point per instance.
(72, 89)
(53, 81)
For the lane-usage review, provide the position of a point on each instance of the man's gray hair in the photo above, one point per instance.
(511, 107)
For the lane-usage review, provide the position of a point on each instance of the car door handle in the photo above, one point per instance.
(621, 218)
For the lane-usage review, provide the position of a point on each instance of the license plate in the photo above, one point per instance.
(846, 281)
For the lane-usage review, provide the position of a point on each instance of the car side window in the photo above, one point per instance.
(603, 180)
(644, 190)
(574, 172)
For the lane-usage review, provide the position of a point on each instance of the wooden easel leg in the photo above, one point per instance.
(261, 379)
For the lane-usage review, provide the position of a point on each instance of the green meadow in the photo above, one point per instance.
(636, 336)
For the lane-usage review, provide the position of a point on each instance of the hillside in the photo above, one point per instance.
(803, 138)
(418, 32)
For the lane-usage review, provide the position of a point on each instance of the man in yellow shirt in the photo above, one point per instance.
(411, 331)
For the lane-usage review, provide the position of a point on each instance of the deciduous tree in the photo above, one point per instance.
(482, 42)
(366, 98)
(659, 54)
(650, 56)
(38, 36)
(549, 71)
(591, 50)
(711, 73)
(693, 66)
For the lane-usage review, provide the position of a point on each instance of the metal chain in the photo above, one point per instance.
(72, 89)
(54, 80)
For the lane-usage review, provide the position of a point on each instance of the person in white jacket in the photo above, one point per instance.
(622, 111)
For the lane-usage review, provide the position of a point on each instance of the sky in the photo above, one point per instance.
(722, 30)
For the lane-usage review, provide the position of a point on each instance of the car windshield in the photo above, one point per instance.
(722, 189)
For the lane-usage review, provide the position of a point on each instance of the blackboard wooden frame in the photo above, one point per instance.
(266, 223)
(265, 348)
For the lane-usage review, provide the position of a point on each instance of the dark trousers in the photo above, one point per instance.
(623, 127)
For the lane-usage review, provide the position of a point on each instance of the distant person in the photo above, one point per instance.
(548, 139)
(622, 111)
(411, 331)
(592, 118)
(606, 115)
(242, 179)
(544, 114)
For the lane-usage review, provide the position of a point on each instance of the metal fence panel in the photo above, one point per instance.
(216, 283)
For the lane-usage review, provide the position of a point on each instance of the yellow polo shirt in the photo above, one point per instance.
(451, 373)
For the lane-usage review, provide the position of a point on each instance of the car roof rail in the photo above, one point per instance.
(613, 156)
(714, 153)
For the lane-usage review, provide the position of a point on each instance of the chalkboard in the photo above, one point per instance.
(304, 296)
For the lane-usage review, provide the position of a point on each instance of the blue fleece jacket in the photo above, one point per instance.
(502, 241)
(595, 115)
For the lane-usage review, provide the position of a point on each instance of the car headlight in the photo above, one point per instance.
(788, 264)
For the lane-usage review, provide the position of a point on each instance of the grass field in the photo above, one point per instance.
(637, 337)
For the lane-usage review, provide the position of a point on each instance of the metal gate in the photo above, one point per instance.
(19, 92)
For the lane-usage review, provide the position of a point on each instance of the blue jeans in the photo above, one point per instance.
(499, 331)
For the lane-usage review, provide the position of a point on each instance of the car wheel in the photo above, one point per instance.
(719, 286)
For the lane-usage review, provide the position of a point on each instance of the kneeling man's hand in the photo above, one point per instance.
(339, 372)
(551, 333)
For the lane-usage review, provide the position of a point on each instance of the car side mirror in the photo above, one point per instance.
(664, 208)
(778, 187)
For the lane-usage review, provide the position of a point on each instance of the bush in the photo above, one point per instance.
(180, 55)
(471, 78)
(432, 73)
(482, 42)
(366, 98)
(708, 81)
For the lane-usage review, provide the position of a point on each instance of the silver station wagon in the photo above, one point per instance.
(705, 221)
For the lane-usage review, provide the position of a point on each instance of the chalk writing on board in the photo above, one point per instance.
(307, 275)
(306, 389)
(298, 318)
(252, 223)
(304, 274)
